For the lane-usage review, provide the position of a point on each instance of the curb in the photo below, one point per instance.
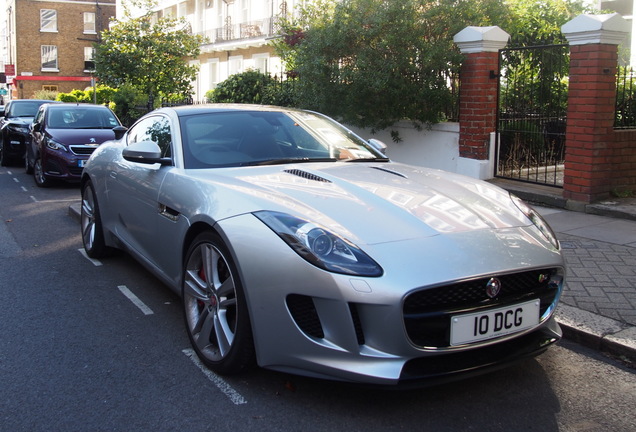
(586, 328)
(597, 332)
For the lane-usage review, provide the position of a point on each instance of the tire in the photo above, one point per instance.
(216, 314)
(91, 224)
(27, 166)
(38, 174)
(4, 160)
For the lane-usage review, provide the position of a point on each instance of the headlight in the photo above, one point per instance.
(18, 128)
(54, 145)
(319, 246)
(536, 219)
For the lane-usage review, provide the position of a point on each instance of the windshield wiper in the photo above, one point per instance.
(288, 160)
(367, 160)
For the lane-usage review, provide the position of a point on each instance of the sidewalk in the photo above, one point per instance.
(598, 306)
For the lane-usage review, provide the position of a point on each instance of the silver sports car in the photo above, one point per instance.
(298, 246)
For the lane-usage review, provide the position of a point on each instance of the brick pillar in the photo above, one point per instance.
(478, 97)
(589, 138)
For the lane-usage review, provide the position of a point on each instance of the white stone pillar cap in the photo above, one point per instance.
(481, 39)
(596, 29)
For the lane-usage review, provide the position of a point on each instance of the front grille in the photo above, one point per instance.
(82, 149)
(76, 171)
(427, 312)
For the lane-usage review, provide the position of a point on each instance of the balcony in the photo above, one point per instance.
(252, 33)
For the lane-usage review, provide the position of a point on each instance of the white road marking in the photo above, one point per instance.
(23, 189)
(136, 301)
(234, 396)
(15, 179)
(95, 262)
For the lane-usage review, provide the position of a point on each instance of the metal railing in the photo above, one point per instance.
(532, 114)
(625, 112)
(264, 28)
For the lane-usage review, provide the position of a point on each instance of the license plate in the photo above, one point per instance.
(81, 163)
(494, 323)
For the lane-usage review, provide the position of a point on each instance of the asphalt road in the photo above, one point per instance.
(101, 346)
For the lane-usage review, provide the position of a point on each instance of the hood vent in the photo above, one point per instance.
(306, 175)
(391, 172)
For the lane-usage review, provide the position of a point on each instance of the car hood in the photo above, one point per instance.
(20, 121)
(376, 202)
(81, 136)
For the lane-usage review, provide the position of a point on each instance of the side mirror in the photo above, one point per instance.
(145, 152)
(119, 131)
(378, 145)
(36, 127)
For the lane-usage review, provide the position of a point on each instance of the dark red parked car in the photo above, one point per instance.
(63, 136)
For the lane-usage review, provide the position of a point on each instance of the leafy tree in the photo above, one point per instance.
(535, 22)
(149, 54)
(371, 63)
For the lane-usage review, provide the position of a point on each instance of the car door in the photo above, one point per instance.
(33, 144)
(133, 189)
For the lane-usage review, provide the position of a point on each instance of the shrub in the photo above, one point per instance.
(45, 94)
(247, 87)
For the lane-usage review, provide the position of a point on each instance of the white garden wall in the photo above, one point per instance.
(435, 148)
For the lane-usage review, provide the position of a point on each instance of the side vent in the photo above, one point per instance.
(304, 313)
(357, 324)
(390, 171)
(306, 175)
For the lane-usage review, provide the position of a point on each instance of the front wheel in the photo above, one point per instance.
(4, 160)
(216, 314)
(38, 174)
(91, 224)
(27, 165)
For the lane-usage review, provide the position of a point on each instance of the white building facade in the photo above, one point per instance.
(238, 33)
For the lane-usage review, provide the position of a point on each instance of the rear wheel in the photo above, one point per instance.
(91, 224)
(216, 314)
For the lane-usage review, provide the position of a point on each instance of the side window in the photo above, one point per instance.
(155, 128)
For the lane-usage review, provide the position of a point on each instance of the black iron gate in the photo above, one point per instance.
(532, 108)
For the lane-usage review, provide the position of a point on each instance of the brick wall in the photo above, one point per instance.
(70, 40)
(478, 104)
(599, 159)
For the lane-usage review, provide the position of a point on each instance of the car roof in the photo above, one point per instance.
(207, 108)
(75, 105)
(14, 101)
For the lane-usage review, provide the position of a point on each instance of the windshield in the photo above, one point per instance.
(78, 117)
(23, 109)
(239, 138)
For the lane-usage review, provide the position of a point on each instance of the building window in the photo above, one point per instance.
(89, 22)
(89, 63)
(52, 88)
(235, 65)
(48, 20)
(49, 58)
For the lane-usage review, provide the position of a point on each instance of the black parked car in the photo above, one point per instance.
(63, 136)
(14, 128)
